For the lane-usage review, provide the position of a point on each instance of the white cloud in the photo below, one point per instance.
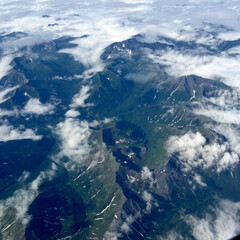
(111, 236)
(138, 1)
(8, 133)
(144, 76)
(74, 135)
(172, 235)
(209, 66)
(224, 226)
(34, 106)
(5, 66)
(193, 152)
(229, 36)
(146, 174)
(218, 115)
(147, 197)
(232, 135)
(101, 33)
(225, 98)
(109, 21)
(24, 177)
(106, 21)
(198, 179)
(8, 113)
(223, 108)
(4, 94)
(126, 225)
(187, 145)
(72, 113)
(234, 50)
(20, 201)
(80, 98)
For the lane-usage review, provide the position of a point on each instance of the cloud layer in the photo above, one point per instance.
(105, 22)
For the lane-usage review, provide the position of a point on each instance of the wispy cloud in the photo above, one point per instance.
(220, 222)
(172, 235)
(5, 65)
(198, 180)
(129, 220)
(224, 226)
(147, 197)
(5, 94)
(125, 227)
(32, 107)
(111, 236)
(8, 132)
(222, 108)
(220, 115)
(146, 174)
(20, 201)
